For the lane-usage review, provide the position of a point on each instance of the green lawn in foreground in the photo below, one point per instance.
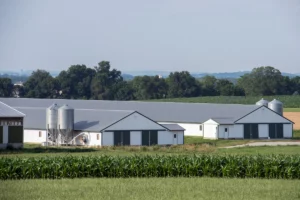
(127, 151)
(151, 188)
(193, 145)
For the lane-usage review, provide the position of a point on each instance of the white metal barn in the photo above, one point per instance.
(104, 128)
(197, 119)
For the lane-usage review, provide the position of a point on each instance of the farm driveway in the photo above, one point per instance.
(259, 144)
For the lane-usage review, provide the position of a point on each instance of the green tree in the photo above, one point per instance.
(209, 84)
(182, 84)
(18, 91)
(76, 82)
(149, 87)
(262, 81)
(41, 85)
(122, 91)
(104, 80)
(225, 87)
(6, 87)
(295, 85)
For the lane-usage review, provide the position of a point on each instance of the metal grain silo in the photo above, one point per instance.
(262, 102)
(276, 106)
(51, 117)
(65, 120)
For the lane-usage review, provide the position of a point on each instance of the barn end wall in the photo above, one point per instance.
(287, 130)
(165, 138)
(34, 136)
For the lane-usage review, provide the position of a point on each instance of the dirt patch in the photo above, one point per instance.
(295, 117)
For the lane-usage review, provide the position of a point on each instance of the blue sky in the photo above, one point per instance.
(165, 35)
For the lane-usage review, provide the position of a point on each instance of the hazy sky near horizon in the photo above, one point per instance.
(135, 35)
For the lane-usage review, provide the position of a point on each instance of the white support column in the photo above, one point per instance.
(5, 134)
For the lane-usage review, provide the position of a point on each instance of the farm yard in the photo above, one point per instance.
(172, 171)
(199, 169)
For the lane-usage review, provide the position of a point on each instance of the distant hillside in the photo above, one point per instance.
(233, 75)
(221, 75)
(127, 77)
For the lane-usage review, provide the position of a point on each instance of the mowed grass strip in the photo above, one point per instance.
(151, 188)
(130, 151)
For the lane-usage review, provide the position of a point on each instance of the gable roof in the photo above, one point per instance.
(84, 119)
(281, 117)
(224, 120)
(158, 111)
(7, 111)
(173, 127)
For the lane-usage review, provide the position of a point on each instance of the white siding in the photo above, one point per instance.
(263, 115)
(135, 122)
(190, 129)
(32, 136)
(210, 129)
(93, 139)
(165, 137)
(263, 130)
(135, 138)
(180, 137)
(287, 130)
(107, 138)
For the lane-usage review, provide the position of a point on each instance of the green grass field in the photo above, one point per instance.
(291, 109)
(288, 101)
(194, 145)
(151, 188)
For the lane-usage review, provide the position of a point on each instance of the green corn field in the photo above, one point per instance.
(270, 166)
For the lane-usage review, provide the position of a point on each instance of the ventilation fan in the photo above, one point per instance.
(82, 139)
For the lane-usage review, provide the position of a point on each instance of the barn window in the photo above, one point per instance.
(174, 135)
(226, 129)
(98, 136)
(200, 127)
(40, 133)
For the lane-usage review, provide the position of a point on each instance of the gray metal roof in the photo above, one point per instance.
(224, 120)
(7, 111)
(84, 119)
(157, 111)
(173, 127)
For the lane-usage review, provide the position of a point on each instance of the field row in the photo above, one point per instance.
(280, 166)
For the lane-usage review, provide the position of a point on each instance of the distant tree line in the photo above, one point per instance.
(102, 82)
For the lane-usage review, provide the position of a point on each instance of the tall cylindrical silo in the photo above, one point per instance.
(262, 102)
(276, 106)
(51, 117)
(65, 120)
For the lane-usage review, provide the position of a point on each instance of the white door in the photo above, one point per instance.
(175, 136)
(226, 133)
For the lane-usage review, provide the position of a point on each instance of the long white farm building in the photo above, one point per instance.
(162, 123)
